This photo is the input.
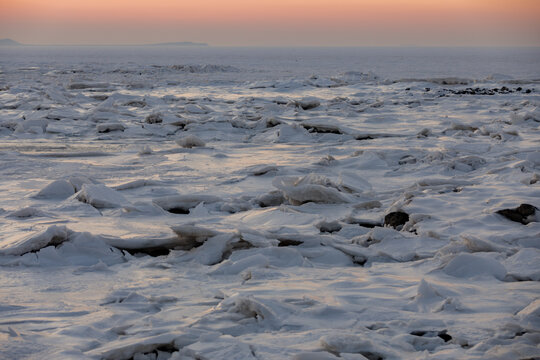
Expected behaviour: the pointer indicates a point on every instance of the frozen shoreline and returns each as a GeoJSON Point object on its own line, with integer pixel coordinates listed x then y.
{"type": "Point", "coordinates": [181, 209]}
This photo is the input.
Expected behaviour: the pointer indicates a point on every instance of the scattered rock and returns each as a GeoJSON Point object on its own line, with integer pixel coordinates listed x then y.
{"type": "Point", "coordinates": [524, 213]}
{"type": "Point", "coordinates": [329, 226]}
{"type": "Point", "coordinates": [155, 118]}
{"type": "Point", "coordinates": [190, 141]}
{"type": "Point", "coordinates": [396, 219]}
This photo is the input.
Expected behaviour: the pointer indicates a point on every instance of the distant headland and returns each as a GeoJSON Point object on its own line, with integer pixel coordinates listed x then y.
{"type": "Point", "coordinates": [9, 42]}
{"type": "Point", "coordinates": [179, 43]}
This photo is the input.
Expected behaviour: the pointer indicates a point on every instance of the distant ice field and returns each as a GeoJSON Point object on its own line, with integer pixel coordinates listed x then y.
{"type": "Point", "coordinates": [269, 203]}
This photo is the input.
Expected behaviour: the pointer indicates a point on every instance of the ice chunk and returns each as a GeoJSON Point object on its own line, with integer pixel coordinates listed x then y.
{"type": "Point", "coordinates": [530, 315]}
{"type": "Point", "coordinates": [193, 236]}
{"type": "Point", "coordinates": [307, 103]}
{"type": "Point", "coordinates": [108, 127]}
{"type": "Point", "coordinates": [17, 245]}
{"type": "Point", "coordinates": [137, 184]}
{"type": "Point", "coordinates": [315, 356]}
{"type": "Point", "coordinates": [196, 109]}
{"type": "Point", "coordinates": [339, 343]}
{"type": "Point", "coordinates": [101, 196]}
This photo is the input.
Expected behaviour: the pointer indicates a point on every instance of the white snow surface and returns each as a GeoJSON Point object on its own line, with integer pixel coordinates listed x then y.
{"type": "Point", "coordinates": [218, 203]}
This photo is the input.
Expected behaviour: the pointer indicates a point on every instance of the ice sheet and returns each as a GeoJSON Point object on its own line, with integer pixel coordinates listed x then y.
{"type": "Point", "coordinates": [218, 203]}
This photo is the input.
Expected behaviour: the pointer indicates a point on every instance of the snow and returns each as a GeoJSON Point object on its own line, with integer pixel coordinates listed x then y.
{"type": "Point", "coordinates": [217, 203]}
{"type": "Point", "coordinates": [57, 189]}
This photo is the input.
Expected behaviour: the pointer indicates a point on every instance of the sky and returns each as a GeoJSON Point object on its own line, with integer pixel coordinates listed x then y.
{"type": "Point", "coordinates": [274, 22]}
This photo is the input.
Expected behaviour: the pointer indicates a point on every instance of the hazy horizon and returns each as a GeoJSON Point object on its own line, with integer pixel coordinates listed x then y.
{"type": "Point", "coordinates": [418, 23]}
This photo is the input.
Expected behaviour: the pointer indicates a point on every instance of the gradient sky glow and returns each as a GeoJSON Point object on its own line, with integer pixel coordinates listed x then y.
{"type": "Point", "coordinates": [274, 22]}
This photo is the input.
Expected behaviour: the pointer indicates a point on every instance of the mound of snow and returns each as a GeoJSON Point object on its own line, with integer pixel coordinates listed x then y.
{"type": "Point", "coordinates": [310, 188]}
{"type": "Point", "coordinates": [524, 265]}
{"type": "Point", "coordinates": [58, 189]}
{"type": "Point", "coordinates": [473, 265]}
{"type": "Point", "coordinates": [27, 212]}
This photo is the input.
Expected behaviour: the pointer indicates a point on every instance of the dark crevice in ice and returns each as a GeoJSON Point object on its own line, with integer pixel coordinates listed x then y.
{"type": "Point", "coordinates": [322, 129]}
{"type": "Point", "coordinates": [151, 251]}
{"type": "Point", "coordinates": [178, 210]}
{"type": "Point", "coordinates": [443, 334]}
{"type": "Point", "coordinates": [155, 353]}
{"type": "Point", "coordinates": [289, 242]}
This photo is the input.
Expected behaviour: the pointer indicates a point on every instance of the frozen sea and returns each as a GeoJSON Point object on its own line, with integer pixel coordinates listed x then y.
{"type": "Point", "coordinates": [269, 203]}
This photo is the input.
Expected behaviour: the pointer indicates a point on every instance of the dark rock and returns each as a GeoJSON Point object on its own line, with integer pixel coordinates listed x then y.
{"type": "Point", "coordinates": [396, 219]}
{"type": "Point", "coordinates": [528, 91]}
{"type": "Point", "coordinates": [524, 213]}
{"type": "Point", "coordinates": [154, 119]}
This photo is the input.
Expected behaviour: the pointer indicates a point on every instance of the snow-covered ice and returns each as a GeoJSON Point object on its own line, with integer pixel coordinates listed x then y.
{"type": "Point", "coordinates": [218, 203]}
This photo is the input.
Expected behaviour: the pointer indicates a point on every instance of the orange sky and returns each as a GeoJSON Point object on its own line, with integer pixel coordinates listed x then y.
{"type": "Point", "coordinates": [273, 22]}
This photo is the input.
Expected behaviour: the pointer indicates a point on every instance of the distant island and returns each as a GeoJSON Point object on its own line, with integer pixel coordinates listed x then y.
{"type": "Point", "coordinates": [11, 42]}
{"type": "Point", "coordinates": [8, 42]}
{"type": "Point", "coordinates": [179, 43]}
